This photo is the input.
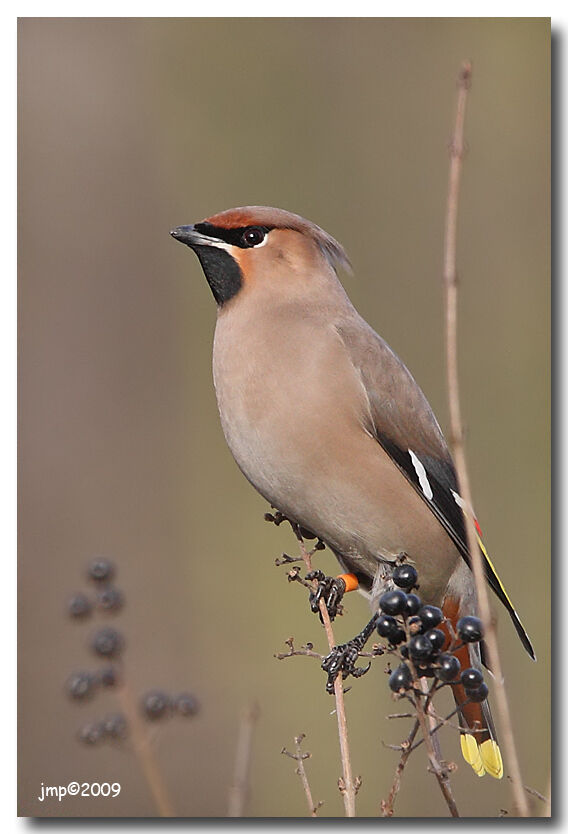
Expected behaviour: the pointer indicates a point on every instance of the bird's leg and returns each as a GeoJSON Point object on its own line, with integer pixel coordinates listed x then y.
{"type": "Point", "coordinates": [331, 590]}
{"type": "Point", "coordinates": [341, 659]}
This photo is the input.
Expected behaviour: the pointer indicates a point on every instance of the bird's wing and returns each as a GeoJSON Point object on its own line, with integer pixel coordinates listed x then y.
{"type": "Point", "coordinates": [401, 420]}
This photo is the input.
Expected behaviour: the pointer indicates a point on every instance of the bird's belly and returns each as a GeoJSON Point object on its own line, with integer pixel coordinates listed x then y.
{"type": "Point", "coordinates": [313, 460]}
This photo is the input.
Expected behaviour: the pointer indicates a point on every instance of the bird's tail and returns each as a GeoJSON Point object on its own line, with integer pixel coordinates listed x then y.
{"type": "Point", "coordinates": [479, 743]}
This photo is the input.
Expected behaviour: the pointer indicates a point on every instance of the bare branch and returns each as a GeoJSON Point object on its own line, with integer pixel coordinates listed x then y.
{"type": "Point", "coordinates": [387, 805]}
{"type": "Point", "coordinates": [451, 296]}
{"type": "Point", "coordinates": [422, 701]}
{"type": "Point", "coordinates": [306, 650]}
{"type": "Point", "coordinates": [301, 771]}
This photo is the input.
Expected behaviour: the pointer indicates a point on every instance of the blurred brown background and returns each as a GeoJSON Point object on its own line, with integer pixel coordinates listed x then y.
{"type": "Point", "coordinates": [129, 127]}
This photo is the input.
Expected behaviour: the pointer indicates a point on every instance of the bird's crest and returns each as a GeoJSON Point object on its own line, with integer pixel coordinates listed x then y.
{"type": "Point", "coordinates": [273, 218]}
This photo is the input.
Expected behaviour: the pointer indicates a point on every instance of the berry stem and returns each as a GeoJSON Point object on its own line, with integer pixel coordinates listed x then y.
{"type": "Point", "coordinates": [144, 751]}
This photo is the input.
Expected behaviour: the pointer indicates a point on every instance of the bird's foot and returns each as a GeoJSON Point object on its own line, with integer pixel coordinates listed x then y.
{"type": "Point", "coordinates": [341, 659]}
{"type": "Point", "coordinates": [330, 589]}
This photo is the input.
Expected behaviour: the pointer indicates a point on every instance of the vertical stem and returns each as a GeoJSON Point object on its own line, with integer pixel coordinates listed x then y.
{"type": "Point", "coordinates": [451, 296]}
{"type": "Point", "coordinates": [240, 789]}
{"type": "Point", "coordinates": [438, 769]}
{"type": "Point", "coordinates": [348, 789]}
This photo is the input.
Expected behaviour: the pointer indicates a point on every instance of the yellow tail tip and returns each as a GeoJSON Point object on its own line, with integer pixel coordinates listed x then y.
{"type": "Point", "coordinates": [484, 758]}
{"type": "Point", "coordinates": [470, 752]}
{"type": "Point", "coordinates": [491, 758]}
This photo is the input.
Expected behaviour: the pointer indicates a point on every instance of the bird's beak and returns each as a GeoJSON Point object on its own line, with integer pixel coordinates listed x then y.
{"type": "Point", "coordinates": [187, 235]}
{"type": "Point", "coordinates": [191, 237]}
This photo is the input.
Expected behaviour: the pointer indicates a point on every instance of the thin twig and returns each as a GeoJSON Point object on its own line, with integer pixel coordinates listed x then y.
{"type": "Point", "coordinates": [422, 704]}
{"type": "Point", "coordinates": [348, 787]}
{"type": "Point", "coordinates": [306, 651]}
{"type": "Point", "coordinates": [144, 752]}
{"type": "Point", "coordinates": [426, 717]}
{"type": "Point", "coordinates": [534, 792]}
{"type": "Point", "coordinates": [387, 805]}
{"type": "Point", "coordinates": [239, 791]}
{"type": "Point", "coordinates": [429, 712]}
{"type": "Point", "coordinates": [409, 746]}
{"type": "Point", "coordinates": [440, 770]}
{"type": "Point", "coordinates": [451, 296]}
{"type": "Point", "coordinates": [444, 722]}
{"type": "Point", "coordinates": [299, 756]}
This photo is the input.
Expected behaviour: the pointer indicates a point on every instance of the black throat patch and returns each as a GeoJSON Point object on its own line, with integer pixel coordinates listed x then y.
{"type": "Point", "coordinates": [222, 272]}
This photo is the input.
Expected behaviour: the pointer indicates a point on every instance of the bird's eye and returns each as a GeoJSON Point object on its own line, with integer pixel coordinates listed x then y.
{"type": "Point", "coordinates": [253, 236]}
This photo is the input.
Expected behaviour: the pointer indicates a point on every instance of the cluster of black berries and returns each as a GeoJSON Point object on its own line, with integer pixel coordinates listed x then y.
{"type": "Point", "coordinates": [83, 685]}
{"type": "Point", "coordinates": [108, 643]}
{"type": "Point", "coordinates": [157, 704]}
{"type": "Point", "coordinates": [111, 728]}
{"type": "Point", "coordinates": [106, 596]}
{"type": "Point", "coordinates": [412, 628]}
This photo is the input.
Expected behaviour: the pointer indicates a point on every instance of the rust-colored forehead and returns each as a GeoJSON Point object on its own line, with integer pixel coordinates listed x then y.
{"type": "Point", "coordinates": [237, 218]}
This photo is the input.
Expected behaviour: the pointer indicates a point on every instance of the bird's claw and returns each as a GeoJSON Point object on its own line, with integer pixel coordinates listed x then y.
{"type": "Point", "coordinates": [341, 661]}
{"type": "Point", "coordinates": [330, 589]}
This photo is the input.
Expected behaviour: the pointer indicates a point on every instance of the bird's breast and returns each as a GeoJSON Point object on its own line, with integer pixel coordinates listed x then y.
{"type": "Point", "coordinates": [275, 384]}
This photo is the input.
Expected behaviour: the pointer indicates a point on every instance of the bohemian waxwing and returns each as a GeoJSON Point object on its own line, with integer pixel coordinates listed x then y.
{"type": "Point", "coordinates": [329, 426]}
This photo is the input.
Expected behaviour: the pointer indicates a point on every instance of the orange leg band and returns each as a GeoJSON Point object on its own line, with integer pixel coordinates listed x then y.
{"type": "Point", "coordinates": [351, 581]}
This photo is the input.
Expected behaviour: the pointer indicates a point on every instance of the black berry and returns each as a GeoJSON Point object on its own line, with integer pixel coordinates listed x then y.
{"type": "Point", "coordinates": [81, 685]}
{"type": "Point", "coordinates": [398, 637]}
{"type": "Point", "coordinates": [413, 604]}
{"type": "Point", "coordinates": [448, 667]}
{"type": "Point", "coordinates": [419, 647]}
{"type": "Point", "coordinates": [79, 605]}
{"type": "Point", "coordinates": [101, 570]}
{"type": "Point", "coordinates": [431, 616]}
{"type": "Point", "coordinates": [92, 733]}
{"type": "Point", "coordinates": [471, 678]}
{"type": "Point", "coordinates": [405, 576]}
{"type": "Point", "coordinates": [115, 726]}
{"type": "Point", "coordinates": [386, 626]}
{"type": "Point", "coordinates": [186, 704]}
{"type": "Point", "coordinates": [401, 678]}
{"type": "Point", "coordinates": [437, 639]}
{"type": "Point", "coordinates": [479, 694]}
{"type": "Point", "coordinates": [470, 629]}
{"type": "Point", "coordinates": [108, 642]}
{"type": "Point", "coordinates": [110, 599]}
{"type": "Point", "coordinates": [393, 602]}
{"type": "Point", "coordinates": [155, 704]}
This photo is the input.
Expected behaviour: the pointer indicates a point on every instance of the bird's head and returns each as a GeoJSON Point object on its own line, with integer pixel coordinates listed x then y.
{"type": "Point", "coordinates": [242, 249]}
